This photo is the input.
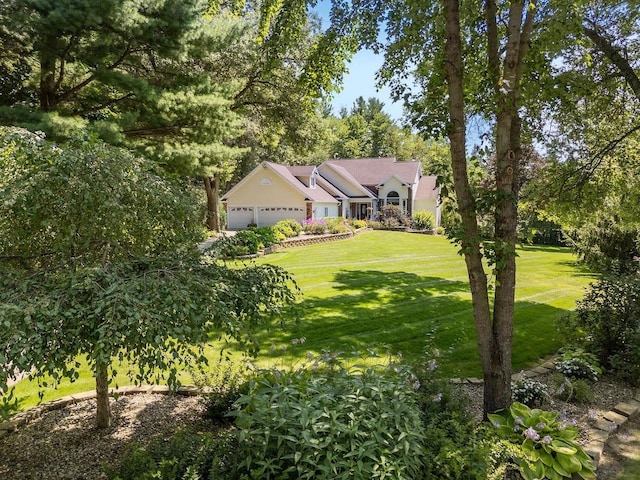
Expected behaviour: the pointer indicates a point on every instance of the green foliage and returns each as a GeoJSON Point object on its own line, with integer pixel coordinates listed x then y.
{"type": "Point", "coordinates": [358, 224]}
{"type": "Point", "coordinates": [289, 227]}
{"type": "Point", "coordinates": [423, 220]}
{"type": "Point", "coordinates": [100, 261]}
{"type": "Point", "coordinates": [546, 449]}
{"type": "Point", "coordinates": [607, 246]}
{"type": "Point", "coordinates": [607, 323]}
{"type": "Point", "coordinates": [528, 391]}
{"type": "Point", "coordinates": [184, 456]}
{"type": "Point", "coordinates": [392, 216]}
{"type": "Point", "coordinates": [454, 447]}
{"type": "Point", "coordinates": [224, 385]}
{"type": "Point", "coordinates": [337, 225]}
{"type": "Point", "coordinates": [578, 364]}
{"type": "Point", "coordinates": [331, 423]}
{"type": "Point", "coordinates": [571, 390]}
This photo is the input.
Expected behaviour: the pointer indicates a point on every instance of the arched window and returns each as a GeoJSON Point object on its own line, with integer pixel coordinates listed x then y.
{"type": "Point", "coordinates": [393, 198]}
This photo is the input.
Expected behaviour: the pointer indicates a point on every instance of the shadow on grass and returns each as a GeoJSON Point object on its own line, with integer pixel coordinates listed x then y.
{"type": "Point", "coordinates": [405, 312]}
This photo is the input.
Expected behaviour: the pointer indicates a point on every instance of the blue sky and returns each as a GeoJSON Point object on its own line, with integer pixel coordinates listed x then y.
{"type": "Point", "coordinates": [360, 81]}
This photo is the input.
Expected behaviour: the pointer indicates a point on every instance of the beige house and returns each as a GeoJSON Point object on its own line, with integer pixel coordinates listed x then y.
{"type": "Point", "coordinates": [351, 188]}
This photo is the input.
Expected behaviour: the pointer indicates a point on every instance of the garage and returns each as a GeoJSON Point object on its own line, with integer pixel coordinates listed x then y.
{"type": "Point", "coordinates": [240, 217]}
{"type": "Point", "coordinates": [269, 216]}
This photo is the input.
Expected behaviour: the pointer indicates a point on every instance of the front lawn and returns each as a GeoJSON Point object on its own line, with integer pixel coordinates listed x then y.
{"type": "Point", "coordinates": [405, 290]}
{"type": "Point", "coordinates": [401, 290]}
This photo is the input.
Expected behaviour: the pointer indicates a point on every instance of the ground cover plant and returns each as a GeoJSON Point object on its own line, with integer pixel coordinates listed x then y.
{"type": "Point", "coordinates": [398, 289]}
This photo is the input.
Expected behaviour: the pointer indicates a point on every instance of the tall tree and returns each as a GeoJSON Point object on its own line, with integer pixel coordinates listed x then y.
{"type": "Point", "coordinates": [462, 63]}
{"type": "Point", "coordinates": [89, 268]}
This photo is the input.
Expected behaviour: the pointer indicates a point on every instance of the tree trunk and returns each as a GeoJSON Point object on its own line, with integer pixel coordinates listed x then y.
{"type": "Point", "coordinates": [212, 186]}
{"type": "Point", "coordinates": [103, 409]}
{"type": "Point", "coordinates": [47, 94]}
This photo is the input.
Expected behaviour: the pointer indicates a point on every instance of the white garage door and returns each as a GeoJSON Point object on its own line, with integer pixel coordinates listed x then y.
{"type": "Point", "coordinates": [269, 216]}
{"type": "Point", "coordinates": [239, 217]}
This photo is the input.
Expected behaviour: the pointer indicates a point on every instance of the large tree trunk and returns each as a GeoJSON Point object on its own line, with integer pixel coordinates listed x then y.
{"type": "Point", "coordinates": [212, 186]}
{"type": "Point", "coordinates": [470, 240]}
{"type": "Point", "coordinates": [103, 409]}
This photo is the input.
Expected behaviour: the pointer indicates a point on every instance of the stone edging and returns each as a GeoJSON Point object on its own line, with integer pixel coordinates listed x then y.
{"type": "Point", "coordinates": [602, 429]}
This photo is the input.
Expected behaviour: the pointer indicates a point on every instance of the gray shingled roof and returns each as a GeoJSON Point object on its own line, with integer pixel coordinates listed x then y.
{"type": "Point", "coordinates": [373, 171]}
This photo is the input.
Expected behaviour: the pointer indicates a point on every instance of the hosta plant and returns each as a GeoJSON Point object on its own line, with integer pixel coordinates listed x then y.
{"type": "Point", "coordinates": [547, 449]}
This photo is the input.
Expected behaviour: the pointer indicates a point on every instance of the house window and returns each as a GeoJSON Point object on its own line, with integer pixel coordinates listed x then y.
{"type": "Point", "coordinates": [393, 198]}
{"type": "Point", "coordinates": [326, 211]}
{"type": "Point", "coordinates": [312, 181]}
{"type": "Point", "coordinates": [265, 181]}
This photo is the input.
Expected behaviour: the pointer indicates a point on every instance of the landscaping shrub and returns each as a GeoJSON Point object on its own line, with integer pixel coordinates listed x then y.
{"type": "Point", "coordinates": [528, 391]}
{"type": "Point", "coordinates": [578, 364]}
{"type": "Point", "coordinates": [607, 323]}
{"type": "Point", "coordinates": [454, 447]}
{"type": "Point", "coordinates": [573, 391]}
{"type": "Point", "coordinates": [289, 228]}
{"type": "Point", "coordinates": [358, 224]}
{"type": "Point", "coordinates": [606, 246]}
{"type": "Point", "coordinates": [392, 216]}
{"type": "Point", "coordinates": [540, 446]}
{"type": "Point", "coordinates": [337, 225]}
{"type": "Point", "coordinates": [423, 220]}
{"type": "Point", "coordinates": [375, 225]}
{"type": "Point", "coordinates": [245, 242]}
{"type": "Point", "coordinates": [314, 226]}
{"type": "Point", "coordinates": [331, 423]}
{"type": "Point", "coordinates": [185, 456]}
{"type": "Point", "coordinates": [225, 385]}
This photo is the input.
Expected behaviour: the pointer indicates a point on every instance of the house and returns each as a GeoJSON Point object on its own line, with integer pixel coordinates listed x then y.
{"type": "Point", "coordinates": [352, 188]}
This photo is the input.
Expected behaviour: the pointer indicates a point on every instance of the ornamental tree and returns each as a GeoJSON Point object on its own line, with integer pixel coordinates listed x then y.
{"type": "Point", "coordinates": [99, 262]}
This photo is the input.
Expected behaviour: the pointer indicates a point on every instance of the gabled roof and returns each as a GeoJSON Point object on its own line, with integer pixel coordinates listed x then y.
{"type": "Point", "coordinates": [373, 171]}
{"type": "Point", "coordinates": [312, 194]}
{"type": "Point", "coordinates": [325, 184]}
{"type": "Point", "coordinates": [393, 175]}
{"type": "Point", "coordinates": [427, 187]}
{"type": "Point", "coordinates": [344, 173]}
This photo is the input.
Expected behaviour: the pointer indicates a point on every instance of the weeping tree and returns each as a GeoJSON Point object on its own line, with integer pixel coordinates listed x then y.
{"type": "Point", "coordinates": [99, 264]}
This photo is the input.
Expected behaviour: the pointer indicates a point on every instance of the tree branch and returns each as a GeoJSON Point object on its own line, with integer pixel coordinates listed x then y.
{"type": "Point", "coordinates": [621, 63]}
{"type": "Point", "coordinates": [104, 105]}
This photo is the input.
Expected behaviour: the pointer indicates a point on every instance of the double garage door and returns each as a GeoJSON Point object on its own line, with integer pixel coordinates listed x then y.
{"type": "Point", "coordinates": [241, 217]}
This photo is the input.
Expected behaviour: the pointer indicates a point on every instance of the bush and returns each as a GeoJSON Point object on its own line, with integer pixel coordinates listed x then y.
{"type": "Point", "coordinates": [337, 225]}
{"type": "Point", "coordinates": [423, 220]}
{"type": "Point", "coordinates": [185, 456]}
{"type": "Point", "coordinates": [331, 423]}
{"type": "Point", "coordinates": [225, 385]}
{"type": "Point", "coordinates": [607, 323]}
{"type": "Point", "coordinates": [543, 448]}
{"type": "Point", "coordinates": [289, 228]}
{"type": "Point", "coordinates": [454, 447]}
{"type": "Point", "coordinates": [314, 226]}
{"type": "Point", "coordinates": [606, 246]}
{"type": "Point", "coordinates": [573, 391]}
{"type": "Point", "coordinates": [375, 225]}
{"type": "Point", "coordinates": [358, 224]}
{"type": "Point", "coordinates": [440, 231]}
{"type": "Point", "coordinates": [392, 216]}
{"type": "Point", "coordinates": [578, 364]}
{"type": "Point", "coordinates": [528, 391]}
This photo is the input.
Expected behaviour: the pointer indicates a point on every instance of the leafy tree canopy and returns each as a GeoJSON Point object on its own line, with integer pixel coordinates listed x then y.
{"type": "Point", "coordinates": [105, 266]}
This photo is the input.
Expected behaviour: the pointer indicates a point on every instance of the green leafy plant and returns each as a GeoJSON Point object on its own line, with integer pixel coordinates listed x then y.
{"type": "Point", "coordinates": [224, 384]}
{"type": "Point", "coordinates": [528, 391]}
{"type": "Point", "coordinates": [185, 456]}
{"type": "Point", "coordinates": [574, 391]}
{"type": "Point", "coordinates": [358, 224]}
{"type": "Point", "coordinates": [547, 449]}
{"type": "Point", "coordinates": [423, 220]}
{"type": "Point", "coordinates": [331, 423]}
{"type": "Point", "coordinates": [289, 227]}
{"type": "Point", "coordinates": [314, 226]}
{"type": "Point", "coordinates": [607, 323]}
{"type": "Point", "coordinates": [578, 364]}
{"type": "Point", "coordinates": [337, 225]}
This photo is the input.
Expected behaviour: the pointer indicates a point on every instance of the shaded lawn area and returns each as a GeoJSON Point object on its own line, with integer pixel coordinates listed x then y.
{"type": "Point", "coordinates": [408, 291]}
{"type": "Point", "coordinates": [401, 291]}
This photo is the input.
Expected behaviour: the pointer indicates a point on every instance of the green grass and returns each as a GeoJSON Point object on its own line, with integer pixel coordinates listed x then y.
{"type": "Point", "coordinates": [404, 291]}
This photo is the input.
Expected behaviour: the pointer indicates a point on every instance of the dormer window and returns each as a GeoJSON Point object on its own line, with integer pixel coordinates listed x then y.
{"type": "Point", "coordinates": [312, 179]}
